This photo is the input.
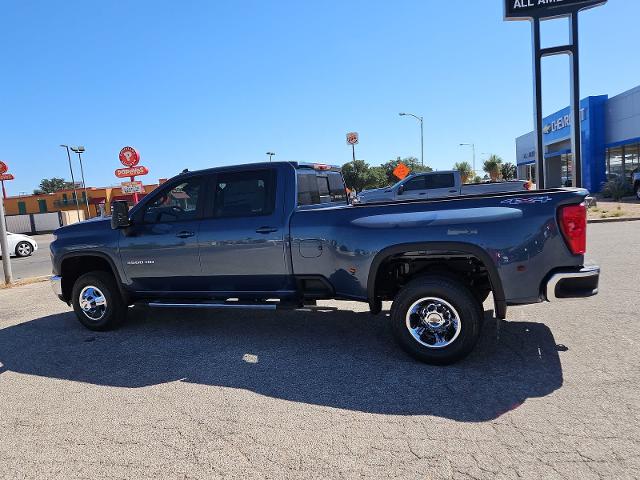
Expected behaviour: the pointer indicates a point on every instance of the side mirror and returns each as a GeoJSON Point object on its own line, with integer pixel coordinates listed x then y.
{"type": "Point", "coordinates": [400, 189]}
{"type": "Point", "coordinates": [119, 214]}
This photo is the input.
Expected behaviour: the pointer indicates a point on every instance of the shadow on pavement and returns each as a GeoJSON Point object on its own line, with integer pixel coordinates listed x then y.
{"type": "Point", "coordinates": [334, 358]}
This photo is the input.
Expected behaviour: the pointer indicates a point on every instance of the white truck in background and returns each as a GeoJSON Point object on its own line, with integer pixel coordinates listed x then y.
{"type": "Point", "coordinates": [424, 186]}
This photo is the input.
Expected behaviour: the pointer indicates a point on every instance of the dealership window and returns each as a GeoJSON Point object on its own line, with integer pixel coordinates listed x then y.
{"type": "Point", "coordinates": [22, 208]}
{"type": "Point", "coordinates": [631, 160]}
{"type": "Point", "coordinates": [42, 205]}
{"type": "Point", "coordinates": [614, 164]}
{"type": "Point", "coordinates": [65, 199]}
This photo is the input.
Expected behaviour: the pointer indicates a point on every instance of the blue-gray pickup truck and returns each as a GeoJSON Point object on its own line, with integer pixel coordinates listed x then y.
{"type": "Point", "coordinates": [279, 235]}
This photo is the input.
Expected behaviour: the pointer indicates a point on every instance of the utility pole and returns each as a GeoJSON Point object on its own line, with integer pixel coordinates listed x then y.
{"type": "Point", "coordinates": [421, 120]}
{"type": "Point", "coordinates": [79, 150]}
{"type": "Point", "coordinates": [4, 247]}
{"type": "Point", "coordinates": [73, 181]}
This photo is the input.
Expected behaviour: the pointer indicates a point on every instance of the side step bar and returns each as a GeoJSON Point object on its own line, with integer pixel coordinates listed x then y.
{"type": "Point", "coordinates": [219, 305]}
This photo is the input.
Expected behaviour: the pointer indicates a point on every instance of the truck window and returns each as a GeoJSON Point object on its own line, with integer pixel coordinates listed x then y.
{"type": "Point", "coordinates": [439, 180]}
{"type": "Point", "coordinates": [178, 203]}
{"type": "Point", "coordinates": [245, 194]}
{"type": "Point", "coordinates": [316, 188]}
{"type": "Point", "coordinates": [414, 184]}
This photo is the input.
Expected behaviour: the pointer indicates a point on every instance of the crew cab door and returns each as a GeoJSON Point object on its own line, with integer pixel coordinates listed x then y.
{"type": "Point", "coordinates": [242, 240]}
{"type": "Point", "coordinates": [159, 251]}
{"type": "Point", "coordinates": [441, 185]}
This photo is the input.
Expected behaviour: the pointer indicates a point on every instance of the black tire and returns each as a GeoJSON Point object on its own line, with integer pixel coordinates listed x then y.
{"type": "Point", "coordinates": [458, 296]}
{"type": "Point", "coordinates": [103, 317]}
{"type": "Point", "coordinates": [26, 248]}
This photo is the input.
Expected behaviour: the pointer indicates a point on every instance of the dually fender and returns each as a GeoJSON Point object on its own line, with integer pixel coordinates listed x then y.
{"type": "Point", "coordinates": [443, 247]}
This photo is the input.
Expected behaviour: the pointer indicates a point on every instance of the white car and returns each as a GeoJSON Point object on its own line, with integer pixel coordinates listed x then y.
{"type": "Point", "coordinates": [21, 245]}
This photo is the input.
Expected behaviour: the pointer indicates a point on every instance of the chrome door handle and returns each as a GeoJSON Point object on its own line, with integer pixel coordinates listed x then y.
{"type": "Point", "coordinates": [185, 234]}
{"type": "Point", "coordinates": [265, 230]}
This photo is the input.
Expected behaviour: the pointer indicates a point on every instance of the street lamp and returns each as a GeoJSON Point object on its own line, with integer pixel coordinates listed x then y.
{"type": "Point", "coordinates": [421, 120]}
{"type": "Point", "coordinates": [73, 180]}
{"type": "Point", "coordinates": [271, 155]}
{"type": "Point", "coordinates": [79, 150]}
{"type": "Point", "coordinates": [473, 147]}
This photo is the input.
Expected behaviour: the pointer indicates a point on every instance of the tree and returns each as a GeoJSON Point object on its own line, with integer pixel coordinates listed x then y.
{"type": "Point", "coordinates": [509, 171]}
{"type": "Point", "coordinates": [465, 169]}
{"type": "Point", "coordinates": [412, 162]}
{"type": "Point", "coordinates": [52, 185]}
{"type": "Point", "coordinates": [492, 166]}
{"type": "Point", "coordinates": [477, 179]}
{"type": "Point", "coordinates": [356, 175]}
{"type": "Point", "coordinates": [378, 178]}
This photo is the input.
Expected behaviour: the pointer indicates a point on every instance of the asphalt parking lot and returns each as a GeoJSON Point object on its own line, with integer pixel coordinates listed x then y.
{"type": "Point", "coordinates": [325, 394]}
{"type": "Point", "coordinates": [37, 265]}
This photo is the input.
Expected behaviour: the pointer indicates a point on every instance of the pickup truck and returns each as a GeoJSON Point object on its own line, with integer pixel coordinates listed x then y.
{"type": "Point", "coordinates": [442, 184]}
{"type": "Point", "coordinates": [279, 235]}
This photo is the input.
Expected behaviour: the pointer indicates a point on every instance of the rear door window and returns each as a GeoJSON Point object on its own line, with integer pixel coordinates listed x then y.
{"type": "Point", "coordinates": [439, 180]}
{"type": "Point", "coordinates": [244, 194]}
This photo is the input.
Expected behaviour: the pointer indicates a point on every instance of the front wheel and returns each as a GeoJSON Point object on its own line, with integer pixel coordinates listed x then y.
{"type": "Point", "coordinates": [97, 301]}
{"type": "Point", "coordinates": [24, 249]}
{"type": "Point", "coordinates": [436, 320]}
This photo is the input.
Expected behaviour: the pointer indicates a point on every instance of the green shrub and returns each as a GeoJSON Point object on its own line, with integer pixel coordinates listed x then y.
{"type": "Point", "coordinates": [617, 188]}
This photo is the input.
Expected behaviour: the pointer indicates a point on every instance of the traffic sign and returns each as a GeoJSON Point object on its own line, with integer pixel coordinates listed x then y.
{"type": "Point", "coordinates": [401, 171]}
{"type": "Point", "coordinates": [129, 157]}
{"type": "Point", "coordinates": [132, 187]}
{"type": "Point", "coordinates": [3, 168]}
{"type": "Point", "coordinates": [352, 138]}
{"type": "Point", "coordinates": [6, 176]}
{"type": "Point", "coordinates": [527, 9]}
{"type": "Point", "coordinates": [132, 172]}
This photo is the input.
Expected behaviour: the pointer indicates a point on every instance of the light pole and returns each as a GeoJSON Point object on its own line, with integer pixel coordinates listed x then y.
{"type": "Point", "coordinates": [473, 148]}
{"type": "Point", "coordinates": [80, 150]}
{"type": "Point", "coordinates": [421, 120]}
{"type": "Point", "coordinates": [271, 155]}
{"type": "Point", "coordinates": [73, 180]}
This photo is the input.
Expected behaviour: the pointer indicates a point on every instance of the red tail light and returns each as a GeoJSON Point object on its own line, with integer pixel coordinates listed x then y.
{"type": "Point", "coordinates": [573, 223]}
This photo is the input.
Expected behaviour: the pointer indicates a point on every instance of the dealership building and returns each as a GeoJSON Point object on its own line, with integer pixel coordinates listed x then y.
{"type": "Point", "coordinates": [610, 142]}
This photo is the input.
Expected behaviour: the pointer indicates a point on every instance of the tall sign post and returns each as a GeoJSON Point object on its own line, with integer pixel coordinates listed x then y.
{"type": "Point", "coordinates": [129, 157]}
{"type": "Point", "coordinates": [536, 11]}
{"type": "Point", "coordinates": [4, 243]}
{"type": "Point", "coordinates": [353, 139]}
{"type": "Point", "coordinates": [4, 176]}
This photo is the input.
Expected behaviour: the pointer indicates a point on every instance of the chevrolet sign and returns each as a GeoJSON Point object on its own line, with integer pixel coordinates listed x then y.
{"type": "Point", "coordinates": [527, 9]}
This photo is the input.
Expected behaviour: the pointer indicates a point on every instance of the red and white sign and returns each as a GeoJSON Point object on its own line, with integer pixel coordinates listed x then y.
{"type": "Point", "coordinates": [131, 172]}
{"type": "Point", "coordinates": [352, 138]}
{"type": "Point", "coordinates": [129, 157]}
{"type": "Point", "coordinates": [129, 188]}
{"type": "Point", "coordinates": [6, 176]}
{"type": "Point", "coordinates": [3, 168]}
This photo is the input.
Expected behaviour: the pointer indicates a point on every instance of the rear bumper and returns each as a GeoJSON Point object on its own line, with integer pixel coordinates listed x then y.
{"type": "Point", "coordinates": [56, 286]}
{"type": "Point", "coordinates": [573, 283]}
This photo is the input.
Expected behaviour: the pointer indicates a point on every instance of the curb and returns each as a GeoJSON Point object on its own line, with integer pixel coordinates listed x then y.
{"type": "Point", "coordinates": [613, 220]}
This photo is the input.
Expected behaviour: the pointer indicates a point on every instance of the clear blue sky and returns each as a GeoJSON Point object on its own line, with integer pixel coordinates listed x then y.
{"type": "Point", "coordinates": [193, 84]}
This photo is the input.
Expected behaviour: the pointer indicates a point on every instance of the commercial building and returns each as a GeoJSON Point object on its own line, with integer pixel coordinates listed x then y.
{"type": "Point", "coordinates": [65, 200]}
{"type": "Point", "coordinates": [610, 142]}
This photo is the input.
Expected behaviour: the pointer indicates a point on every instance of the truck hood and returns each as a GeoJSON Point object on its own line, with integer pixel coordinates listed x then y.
{"type": "Point", "coordinates": [93, 224]}
{"type": "Point", "coordinates": [377, 194]}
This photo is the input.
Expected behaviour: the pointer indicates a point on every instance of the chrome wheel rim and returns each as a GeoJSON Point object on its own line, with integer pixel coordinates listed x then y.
{"type": "Point", "coordinates": [93, 303]}
{"type": "Point", "coordinates": [433, 322]}
{"type": "Point", "coordinates": [24, 249]}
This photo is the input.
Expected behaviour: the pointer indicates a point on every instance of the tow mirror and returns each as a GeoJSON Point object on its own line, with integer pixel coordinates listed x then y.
{"type": "Point", "coordinates": [119, 214]}
{"type": "Point", "coordinates": [400, 189]}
